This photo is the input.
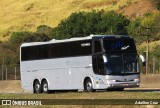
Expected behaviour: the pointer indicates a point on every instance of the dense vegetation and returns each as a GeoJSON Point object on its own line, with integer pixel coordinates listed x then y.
{"type": "Point", "coordinates": [157, 3]}
{"type": "Point", "coordinates": [86, 23]}
{"type": "Point", "coordinates": [148, 25]}
{"type": "Point", "coordinates": [83, 24]}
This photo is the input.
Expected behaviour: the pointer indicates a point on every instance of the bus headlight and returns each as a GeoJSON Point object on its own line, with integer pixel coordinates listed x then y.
{"type": "Point", "coordinates": [111, 80]}
{"type": "Point", "coordinates": [136, 80]}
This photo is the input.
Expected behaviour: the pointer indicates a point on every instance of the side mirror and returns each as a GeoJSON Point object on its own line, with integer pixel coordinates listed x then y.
{"type": "Point", "coordinates": [143, 60]}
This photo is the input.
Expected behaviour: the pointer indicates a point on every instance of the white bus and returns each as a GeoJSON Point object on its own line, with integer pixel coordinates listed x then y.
{"type": "Point", "coordinates": [86, 63]}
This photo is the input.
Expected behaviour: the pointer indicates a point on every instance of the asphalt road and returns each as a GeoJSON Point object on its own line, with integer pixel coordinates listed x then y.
{"type": "Point", "coordinates": [125, 90]}
{"type": "Point", "coordinates": [142, 89]}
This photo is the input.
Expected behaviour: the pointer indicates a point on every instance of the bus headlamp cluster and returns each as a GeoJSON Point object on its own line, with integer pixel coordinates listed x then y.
{"type": "Point", "coordinates": [111, 80]}
{"type": "Point", "coordinates": [136, 79]}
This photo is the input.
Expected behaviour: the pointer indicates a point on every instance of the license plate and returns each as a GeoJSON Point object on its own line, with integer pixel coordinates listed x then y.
{"type": "Point", "coordinates": [125, 84]}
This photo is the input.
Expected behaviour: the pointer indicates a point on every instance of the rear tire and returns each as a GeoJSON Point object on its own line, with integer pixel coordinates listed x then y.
{"type": "Point", "coordinates": [45, 87]}
{"type": "Point", "coordinates": [88, 86]}
{"type": "Point", "coordinates": [37, 87]}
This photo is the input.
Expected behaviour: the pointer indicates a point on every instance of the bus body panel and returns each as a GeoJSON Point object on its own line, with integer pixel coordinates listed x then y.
{"type": "Point", "coordinates": [61, 73]}
{"type": "Point", "coordinates": [69, 73]}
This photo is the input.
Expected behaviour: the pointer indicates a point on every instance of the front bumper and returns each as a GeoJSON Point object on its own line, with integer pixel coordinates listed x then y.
{"type": "Point", "coordinates": [123, 85]}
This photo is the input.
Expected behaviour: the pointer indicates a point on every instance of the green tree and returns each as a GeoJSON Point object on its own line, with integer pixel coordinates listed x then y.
{"type": "Point", "coordinates": [134, 29]}
{"type": "Point", "coordinates": [113, 23]}
{"type": "Point", "coordinates": [18, 38]}
{"type": "Point", "coordinates": [36, 37]}
{"type": "Point", "coordinates": [156, 51]}
{"type": "Point", "coordinates": [155, 33]}
{"type": "Point", "coordinates": [95, 22]}
{"type": "Point", "coordinates": [157, 4]}
{"type": "Point", "coordinates": [44, 29]}
{"type": "Point", "coordinates": [148, 25]}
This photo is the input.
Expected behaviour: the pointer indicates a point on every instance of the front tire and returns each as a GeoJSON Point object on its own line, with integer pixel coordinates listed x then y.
{"type": "Point", "coordinates": [88, 86]}
{"type": "Point", "coordinates": [45, 87]}
{"type": "Point", "coordinates": [37, 87]}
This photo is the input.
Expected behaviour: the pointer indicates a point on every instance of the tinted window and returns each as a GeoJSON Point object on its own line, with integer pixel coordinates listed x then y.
{"type": "Point", "coordinates": [56, 50]}
{"type": "Point", "coordinates": [119, 45]}
{"type": "Point", "coordinates": [98, 65]}
{"type": "Point", "coordinates": [97, 46]}
{"type": "Point", "coordinates": [121, 64]}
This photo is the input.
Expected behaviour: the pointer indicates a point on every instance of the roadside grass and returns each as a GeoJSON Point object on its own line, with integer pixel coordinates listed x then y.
{"type": "Point", "coordinates": [85, 95]}
{"type": "Point", "coordinates": [86, 106]}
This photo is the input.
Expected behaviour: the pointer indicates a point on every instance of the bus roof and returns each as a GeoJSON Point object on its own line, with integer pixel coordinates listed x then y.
{"type": "Point", "coordinates": [73, 39]}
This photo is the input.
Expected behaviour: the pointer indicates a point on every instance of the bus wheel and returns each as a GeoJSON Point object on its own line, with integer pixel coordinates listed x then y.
{"type": "Point", "coordinates": [88, 85]}
{"type": "Point", "coordinates": [45, 87]}
{"type": "Point", "coordinates": [36, 87]}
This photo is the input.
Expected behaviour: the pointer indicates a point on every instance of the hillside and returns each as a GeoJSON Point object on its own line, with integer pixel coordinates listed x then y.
{"type": "Point", "coordinates": [22, 15]}
{"type": "Point", "coordinates": [138, 9]}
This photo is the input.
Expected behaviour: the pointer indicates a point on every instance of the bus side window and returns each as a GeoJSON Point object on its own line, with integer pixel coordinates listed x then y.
{"type": "Point", "coordinates": [98, 64]}
{"type": "Point", "coordinates": [97, 47]}
{"type": "Point", "coordinates": [95, 67]}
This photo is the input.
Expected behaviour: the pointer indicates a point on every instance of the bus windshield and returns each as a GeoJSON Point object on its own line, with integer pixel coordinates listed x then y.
{"type": "Point", "coordinates": [121, 64]}
{"type": "Point", "coordinates": [122, 45]}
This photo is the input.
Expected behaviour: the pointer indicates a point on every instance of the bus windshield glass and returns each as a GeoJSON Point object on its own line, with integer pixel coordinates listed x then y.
{"type": "Point", "coordinates": [121, 64]}
{"type": "Point", "coordinates": [121, 55]}
{"type": "Point", "coordinates": [119, 45]}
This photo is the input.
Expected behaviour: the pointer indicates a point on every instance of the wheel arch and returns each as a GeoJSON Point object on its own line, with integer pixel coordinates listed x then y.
{"type": "Point", "coordinates": [44, 79]}
{"type": "Point", "coordinates": [33, 84]}
{"type": "Point", "coordinates": [88, 77]}
{"type": "Point", "coordinates": [35, 81]}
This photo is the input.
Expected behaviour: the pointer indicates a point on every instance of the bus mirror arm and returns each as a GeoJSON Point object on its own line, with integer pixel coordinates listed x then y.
{"type": "Point", "coordinates": [143, 60]}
